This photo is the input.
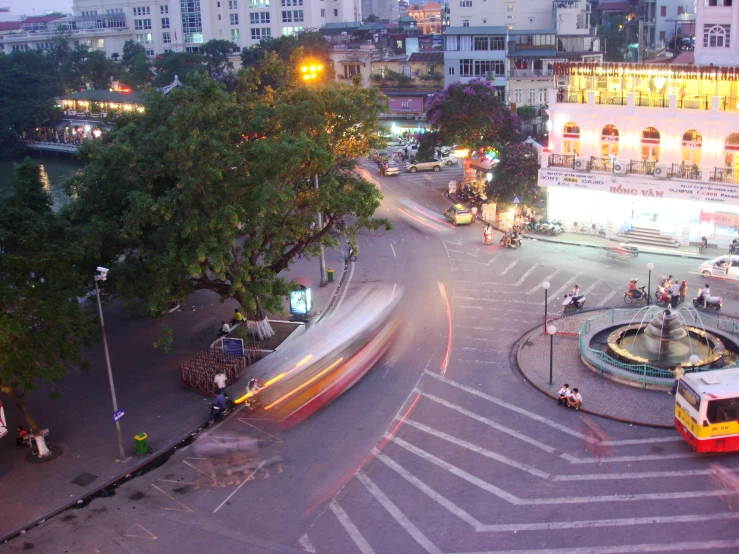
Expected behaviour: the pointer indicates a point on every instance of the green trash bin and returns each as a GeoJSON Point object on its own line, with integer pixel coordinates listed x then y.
{"type": "Point", "coordinates": [330, 275]}
{"type": "Point", "coordinates": [142, 444]}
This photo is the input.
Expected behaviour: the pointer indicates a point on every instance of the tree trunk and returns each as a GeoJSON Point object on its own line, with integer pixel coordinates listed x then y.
{"type": "Point", "coordinates": [43, 450]}
{"type": "Point", "coordinates": [259, 326]}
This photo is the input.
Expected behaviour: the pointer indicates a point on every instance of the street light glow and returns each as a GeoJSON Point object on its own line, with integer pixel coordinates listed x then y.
{"type": "Point", "coordinates": [311, 71]}
{"type": "Point", "coordinates": [551, 329]}
{"type": "Point", "coordinates": [546, 285]}
{"type": "Point", "coordinates": [650, 266]}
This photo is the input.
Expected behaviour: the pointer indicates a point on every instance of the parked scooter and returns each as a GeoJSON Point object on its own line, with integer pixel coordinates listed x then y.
{"type": "Point", "coordinates": [663, 296]}
{"type": "Point", "coordinates": [711, 303]}
{"type": "Point", "coordinates": [573, 302]}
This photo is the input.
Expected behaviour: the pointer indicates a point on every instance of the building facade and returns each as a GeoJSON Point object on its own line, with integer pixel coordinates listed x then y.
{"type": "Point", "coordinates": [185, 25]}
{"type": "Point", "coordinates": [428, 17]}
{"type": "Point", "coordinates": [386, 10]}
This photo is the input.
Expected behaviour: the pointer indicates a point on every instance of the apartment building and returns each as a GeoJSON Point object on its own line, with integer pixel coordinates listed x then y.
{"type": "Point", "coordinates": [183, 26]}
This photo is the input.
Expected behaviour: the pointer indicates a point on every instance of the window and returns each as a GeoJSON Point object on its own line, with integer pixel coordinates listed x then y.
{"type": "Point", "coordinates": [663, 11]}
{"type": "Point", "coordinates": [145, 38]}
{"type": "Point", "coordinates": [288, 31]}
{"type": "Point", "coordinates": [192, 49]}
{"type": "Point", "coordinates": [233, 4]}
{"type": "Point", "coordinates": [150, 53]}
{"type": "Point", "coordinates": [139, 24]}
{"type": "Point", "coordinates": [532, 96]}
{"type": "Point", "coordinates": [542, 96]}
{"type": "Point", "coordinates": [234, 17]}
{"type": "Point", "coordinates": [323, 13]}
{"type": "Point", "coordinates": [680, 10]}
{"type": "Point", "coordinates": [163, 9]}
{"type": "Point", "coordinates": [167, 50]}
{"type": "Point", "coordinates": [406, 70]}
{"type": "Point", "coordinates": [483, 68]}
{"type": "Point", "coordinates": [723, 411]}
{"type": "Point", "coordinates": [430, 70]}
{"type": "Point", "coordinates": [259, 3]}
{"type": "Point", "coordinates": [716, 36]}
{"type": "Point", "coordinates": [465, 68]}
{"type": "Point", "coordinates": [234, 34]}
{"type": "Point", "coordinates": [101, 43]}
{"type": "Point", "coordinates": [192, 23]}
{"type": "Point", "coordinates": [497, 43]}
{"type": "Point", "coordinates": [662, 36]}
{"type": "Point", "coordinates": [257, 34]}
{"type": "Point", "coordinates": [166, 38]}
{"type": "Point", "coordinates": [288, 3]}
{"type": "Point", "coordinates": [510, 7]}
{"type": "Point", "coordinates": [219, 17]}
{"type": "Point", "coordinates": [451, 70]}
{"type": "Point", "coordinates": [336, 13]}
{"type": "Point", "coordinates": [259, 17]}
{"type": "Point", "coordinates": [481, 43]}
{"type": "Point", "coordinates": [465, 3]}
{"type": "Point", "coordinates": [165, 23]}
{"type": "Point", "coordinates": [484, 21]}
{"type": "Point", "coordinates": [465, 23]}
{"type": "Point", "coordinates": [137, 11]}
{"type": "Point", "coordinates": [518, 96]}
{"type": "Point", "coordinates": [287, 17]}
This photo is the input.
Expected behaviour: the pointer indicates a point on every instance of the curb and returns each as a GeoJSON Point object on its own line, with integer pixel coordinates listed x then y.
{"type": "Point", "coordinates": [518, 346]}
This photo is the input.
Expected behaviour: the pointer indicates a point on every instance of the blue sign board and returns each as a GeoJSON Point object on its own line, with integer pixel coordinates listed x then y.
{"type": "Point", "coordinates": [118, 415]}
{"type": "Point", "coordinates": [233, 346]}
{"type": "Point", "coordinates": [516, 199]}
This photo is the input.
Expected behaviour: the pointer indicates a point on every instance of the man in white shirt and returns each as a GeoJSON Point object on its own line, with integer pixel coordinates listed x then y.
{"type": "Point", "coordinates": [705, 294]}
{"type": "Point", "coordinates": [564, 393]}
{"type": "Point", "coordinates": [574, 400]}
{"type": "Point", "coordinates": [675, 293]}
{"type": "Point", "coordinates": [225, 329]}
{"type": "Point", "coordinates": [220, 381]}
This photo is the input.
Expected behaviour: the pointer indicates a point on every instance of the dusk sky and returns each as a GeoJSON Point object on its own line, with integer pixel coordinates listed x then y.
{"type": "Point", "coordinates": [37, 7]}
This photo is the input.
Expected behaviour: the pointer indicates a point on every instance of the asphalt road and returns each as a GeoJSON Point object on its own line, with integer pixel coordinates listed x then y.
{"type": "Point", "coordinates": [442, 448]}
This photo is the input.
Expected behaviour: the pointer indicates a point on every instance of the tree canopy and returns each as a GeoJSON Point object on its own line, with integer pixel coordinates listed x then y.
{"type": "Point", "coordinates": [216, 54]}
{"type": "Point", "coordinates": [209, 189]}
{"type": "Point", "coordinates": [313, 43]}
{"type": "Point", "coordinates": [135, 68]}
{"type": "Point", "coordinates": [181, 64]}
{"type": "Point", "coordinates": [43, 326]}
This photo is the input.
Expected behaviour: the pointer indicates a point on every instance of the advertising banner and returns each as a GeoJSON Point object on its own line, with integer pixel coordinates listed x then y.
{"type": "Point", "coordinates": [405, 104]}
{"type": "Point", "coordinates": [3, 425]}
{"type": "Point", "coordinates": [710, 193]}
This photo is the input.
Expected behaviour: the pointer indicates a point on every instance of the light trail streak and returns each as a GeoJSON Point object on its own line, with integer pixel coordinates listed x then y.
{"type": "Point", "coordinates": [420, 211]}
{"type": "Point", "coordinates": [445, 361]}
{"type": "Point", "coordinates": [274, 379]}
{"type": "Point", "coordinates": [308, 382]}
{"type": "Point", "coordinates": [419, 220]}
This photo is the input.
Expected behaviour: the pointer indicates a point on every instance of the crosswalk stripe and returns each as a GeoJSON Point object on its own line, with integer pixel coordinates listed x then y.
{"type": "Point", "coordinates": [591, 287]}
{"type": "Point", "coordinates": [350, 528]}
{"type": "Point", "coordinates": [620, 549]}
{"type": "Point", "coordinates": [607, 297]}
{"type": "Point", "coordinates": [523, 278]}
{"type": "Point", "coordinates": [541, 285]}
{"type": "Point", "coordinates": [509, 267]}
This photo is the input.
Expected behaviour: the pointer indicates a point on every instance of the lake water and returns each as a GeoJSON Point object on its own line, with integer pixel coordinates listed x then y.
{"type": "Point", "coordinates": [57, 167]}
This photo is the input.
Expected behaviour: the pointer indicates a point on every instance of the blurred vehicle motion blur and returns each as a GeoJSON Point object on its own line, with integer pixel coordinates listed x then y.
{"type": "Point", "coordinates": [329, 357]}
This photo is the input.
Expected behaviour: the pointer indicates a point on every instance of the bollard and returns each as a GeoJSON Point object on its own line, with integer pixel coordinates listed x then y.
{"type": "Point", "coordinates": [142, 445]}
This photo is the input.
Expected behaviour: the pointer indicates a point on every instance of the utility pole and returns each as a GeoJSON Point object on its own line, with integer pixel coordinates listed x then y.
{"type": "Point", "coordinates": [322, 259]}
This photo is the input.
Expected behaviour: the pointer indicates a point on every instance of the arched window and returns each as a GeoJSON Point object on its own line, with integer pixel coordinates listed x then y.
{"type": "Point", "coordinates": [715, 37]}
{"type": "Point", "coordinates": [691, 147]}
{"type": "Point", "coordinates": [609, 142]}
{"type": "Point", "coordinates": [571, 139]}
{"type": "Point", "coordinates": [650, 145]}
{"type": "Point", "coordinates": [731, 151]}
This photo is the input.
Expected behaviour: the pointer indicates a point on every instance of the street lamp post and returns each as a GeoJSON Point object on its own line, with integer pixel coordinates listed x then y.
{"type": "Point", "coordinates": [310, 73]}
{"type": "Point", "coordinates": [102, 275]}
{"type": "Point", "coordinates": [551, 330]}
{"type": "Point", "coordinates": [546, 286]}
{"type": "Point", "coordinates": [650, 267]}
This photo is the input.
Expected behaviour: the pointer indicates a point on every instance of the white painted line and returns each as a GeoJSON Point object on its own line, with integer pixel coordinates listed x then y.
{"type": "Point", "coordinates": [428, 491]}
{"type": "Point", "coordinates": [509, 267]}
{"type": "Point", "coordinates": [489, 422]}
{"type": "Point", "coordinates": [555, 295]}
{"type": "Point", "coordinates": [607, 297]}
{"type": "Point", "coordinates": [541, 285]}
{"type": "Point", "coordinates": [513, 408]}
{"type": "Point", "coordinates": [346, 287]}
{"type": "Point", "coordinates": [484, 362]}
{"type": "Point", "coordinates": [645, 458]}
{"type": "Point", "coordinates": [237, 489]}
{"type": "Point", "coordinates": [398, 516]}
{"type": "Point", "coordinates": [350, 528]}
{"type": "Point", "coordinates": [642, 441]}
{"type": "Point", "coordinates": [496, 300]}
{"type": "Point", "coordinates": [493, 259]}
{"type": "Point", "coordinates": [591, 287]}
{"type": "Point", "coordinates": [523, 278]}
{"type": "Point", "coordinates": [478, 449]}
{"type": "Point", "coordinates": [393, 249]}
{"type": "Point", "coordinates": [306, 545]}
{"type": "Point", "coordinates": [641, 475]}
{"type": "Point", "coordinates": [620, 549]}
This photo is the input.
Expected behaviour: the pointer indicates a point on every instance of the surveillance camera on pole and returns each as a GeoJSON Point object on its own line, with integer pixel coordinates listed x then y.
{"type": "Point", "coordinates": [102, 273]}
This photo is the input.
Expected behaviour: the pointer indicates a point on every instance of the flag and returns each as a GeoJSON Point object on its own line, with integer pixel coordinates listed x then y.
{"type": "Point", "coordinates": [175, 35]}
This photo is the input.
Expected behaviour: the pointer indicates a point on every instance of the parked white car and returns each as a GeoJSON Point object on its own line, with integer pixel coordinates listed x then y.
{"type": "Point", "coordinates": [433, 165]}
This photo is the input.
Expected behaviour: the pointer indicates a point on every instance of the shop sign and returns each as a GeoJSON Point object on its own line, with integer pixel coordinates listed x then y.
{"type": "Point", "coordinates": [685, 235]}
{"type": "Point", "coordinates": [645, 71]}
{"type": "Point", "coordinates": [406, 105]}
{"type": "Point", "coordinates": [713, 193]}
{"type": "Point", "coordinates": [609, 138]}
{"type": "Point", "coordinates": [725, 220]}
{"type": "Point", "coordinates": [470, 172]}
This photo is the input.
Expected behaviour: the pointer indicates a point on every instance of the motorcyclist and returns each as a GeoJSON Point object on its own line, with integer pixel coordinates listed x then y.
{"type": "Point", "coordinates": [218, 406]}
{"type": "Point", "coordinates": [667, 282]}
{"type": "Point", "coordinates": [487, 236]}
{"type": "Point", "coordinates": [632, 285]}
{"type": "Point", "coordinates": [705, 293]}
{"type": "Point", "coordinates": [704, 240]}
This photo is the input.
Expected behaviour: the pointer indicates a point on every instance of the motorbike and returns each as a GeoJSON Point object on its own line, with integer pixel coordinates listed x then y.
{"type": "Point", "coordinates": [556, 228]}
{"type": "Point", "coordinates": [514, 241]}
{"type": "Point", "coordinates": [573, 302]}
{"type": "Point", "coordinates": [352, 254]}
{"type": "Point", "coordinates": [217, 414]}
{"type": "Point", "coordinates": [734, 248]}
{"type": "Point", "coordinates": [487, 238]}
{"type": "Point", "coordinates": [712, 303]}
{"type": "Point", "coordinates": [663, 296]}
{"type": "Point", "coordinates": [631, 296]}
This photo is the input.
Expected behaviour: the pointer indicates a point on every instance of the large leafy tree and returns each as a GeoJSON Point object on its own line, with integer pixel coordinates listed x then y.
{"type": "Point", "coordinates": [136, 70]}
{"type": "Point", "coordinates": [42, 324]}
{"type": "Point", "coordinates": [180, 64]}
{"type": "Point", "coordinates": [100, 71]}
{"type": "Point", "coordinates": [216, 53]}
{"type": "Point", "coordinates": [28, 85]}
{"type": "Point", "coordinates": [214, 190]}
{"type": "Point", "coordinates": [313, 43]}
{"type": "Point", "coordinates": [516, 174]}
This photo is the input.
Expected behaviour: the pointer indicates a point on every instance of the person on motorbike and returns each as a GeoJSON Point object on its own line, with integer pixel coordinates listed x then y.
{"type": "Point", "coordinates": [667, 282]}
{"type": "Point", "coordinates": [704, 241]}
{"type": "Point", "coordinates": [575, 291]}
{"type": "Point", "coordinates": [487, 236]}
{"type": "Point", "coordinates": [705, 294]}
{"type": "Point", "coordinates": [218, 406]}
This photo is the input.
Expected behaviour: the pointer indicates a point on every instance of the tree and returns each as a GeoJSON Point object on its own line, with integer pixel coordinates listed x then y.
{"type": "Point", "coordinates": [314, 46]}
{"type": "Point", "coordinates": [209, 189]}
{"type": "Point", "coordinates": [42, 325]}
{"type": "Point", "coordinates": [371, 18]}
{"type": "Point", "coordinates": [516, 174]}
{"type": "Point", "coordinates": [179, 64]}
{"type": "Point", "coordinates": [99, 70]}
{"type": "Point", "coordinates": [216, 54]}
{"type": "Point", "coordinates": [28, 86]}
{"type": "Point", "coordinates": [73, 70]}
{"type": "Point", "coordinates": [135, 66]}
{"type": "Point", "coordinates": [619, 30]}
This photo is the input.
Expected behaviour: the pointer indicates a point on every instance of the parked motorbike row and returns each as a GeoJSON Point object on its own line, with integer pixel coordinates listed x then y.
{"type": "Point", "coordinates": [545, 227]}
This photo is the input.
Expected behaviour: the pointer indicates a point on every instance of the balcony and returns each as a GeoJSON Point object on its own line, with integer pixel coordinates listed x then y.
{"type": "Point", "coordinates": [601, 164]}
{"type": "Point", "coordinates": [562, 160]}
{"type": "Point", "coordinates": [531, 73]}
{"type": "Point", "coordinates": [701, 102]}
{"type": "Point", "coordinates": [725, 175]}
{"type": "Point", "coordinates": [641, 167]}
{"type": "Point", "coordinates": [686, 171]}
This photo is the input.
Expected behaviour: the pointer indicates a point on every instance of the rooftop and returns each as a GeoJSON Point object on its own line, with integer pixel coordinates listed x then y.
{"type": "Point", "coordinates": [432, 57]}
{"type": "Point", "coordinates": [105, 96]}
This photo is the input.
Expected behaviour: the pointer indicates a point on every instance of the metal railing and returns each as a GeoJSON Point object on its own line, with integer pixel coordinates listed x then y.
{"type": "Point", "coordinates": [641, 167]}
{"type": "Point", "coordinates": [611, 98]}
{"type": "Point", "coordinates": [651, 100]}
{"type": "Point", "coordinates": [728, 104]}
{"type": "Point", "coordinates": [725, 175]}
{"type": "Point", "coordinates": [601, 164]}
{"type": "Point", "coordinates": [562, 160]}
{"type": "Point", "coordinates": [572, 96]}
{"type": "Point", "coordinates": [686, 171]}
{"type": "Point", "coordinates": [694, 102]}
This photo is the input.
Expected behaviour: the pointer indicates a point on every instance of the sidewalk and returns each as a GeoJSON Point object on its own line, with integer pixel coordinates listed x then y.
{"type": "Point", "coordinates": [148, 389]}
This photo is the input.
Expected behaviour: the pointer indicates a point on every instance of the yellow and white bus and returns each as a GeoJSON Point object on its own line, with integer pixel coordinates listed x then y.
{"type": "Point", "coordinates": [707, 410]}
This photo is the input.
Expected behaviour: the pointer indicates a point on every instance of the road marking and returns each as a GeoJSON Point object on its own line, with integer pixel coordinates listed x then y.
{"type": "Point", "coordinates": [392, 294]}
{"type": "Point", "coordinates": [478, 449]}
{"type": "Point", "coordinates": [508, 406]}
{"type": "Point", "coordinates": [237, 489]}
{"type": "Point", "coordinates": [346, 287]}
{"type": "Point", "coordinates": [541, 285]}
{"type": "Point", "coordinates": [607, 297]}
{"type": "Point", "coordinates": [641, 475]}
{"type": "Point", "coordinates": [642, 441]}
{"type": "Point", "coordinates": [493, 259]}
{"type": "Point", "coordinates": [644, 458]}
{"type": "Point", "coordinates": [350, 528]}
{"type": "Point", "coordinates": [509, 267]}
{"type": "Point", "coordinates": [620, 549]}
{"type": "Point", "coordinates": [242, 420]}
{"type": "Point", "coordinates": [591, 287]}
{"type": "Point", "coordinates": [306, 545]}
{"type": "Point", "coordinates": [555, 295]}
{"type": "Point", "coordinates": [484, 362]}
{"type": "Point", "coordinates": [402, 520]}
{"type": "Point", "coordinates": [187, 509]}
{"type": "Point", "coordinates": [496, 300]}
{"type": "Point", "coordinates": [149, 535]}
{"type": "Point", "coordinates": [523, 278]}
{"type": "Point", "coordinates": [393, 249]}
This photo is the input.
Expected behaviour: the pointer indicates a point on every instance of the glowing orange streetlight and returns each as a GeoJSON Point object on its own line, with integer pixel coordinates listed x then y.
{"type": "Point", "coordinates": [311, 72]}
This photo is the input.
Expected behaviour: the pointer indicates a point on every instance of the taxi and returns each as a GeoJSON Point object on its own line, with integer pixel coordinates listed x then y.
{"type": "Point", "coordinates": [726, 267]}
{"type": "Point", "coordinates": [458, 214]}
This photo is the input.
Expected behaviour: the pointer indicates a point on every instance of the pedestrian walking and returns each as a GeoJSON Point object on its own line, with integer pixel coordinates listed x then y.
{"type": "Point", "coordinates": [473, 211]}
{"type": "Point", "coordinates": [225, 329]}
{"type": "Point", "coordinates": [220, 381]}
{"type": "Point", "coordinates": [679, 372]}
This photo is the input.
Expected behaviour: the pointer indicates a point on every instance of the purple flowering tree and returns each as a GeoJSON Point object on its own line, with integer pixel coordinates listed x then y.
{"type": "Point", "coordinates": [516, 174]}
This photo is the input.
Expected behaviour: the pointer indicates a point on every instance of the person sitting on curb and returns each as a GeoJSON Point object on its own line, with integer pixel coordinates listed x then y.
{"type": "Point", "coordinates": [225, 329]}
{"type": "Point", "coordinates": [574, 400]}
{"type": "Point", "coordinates": [237, 318]}
{"type": "Point", "coordinates": [564, 393]}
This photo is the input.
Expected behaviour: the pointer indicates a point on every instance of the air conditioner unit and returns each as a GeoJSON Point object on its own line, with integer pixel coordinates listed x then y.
{"type": "Point", "coordinates": [661, 171]}
{"type": "Point", "coordinates": [581, 163]}
{"type": "Point", "coordinates": [619, 167]}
